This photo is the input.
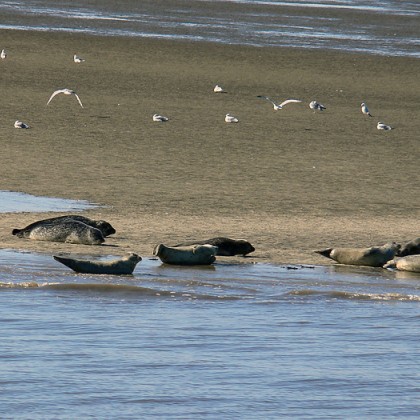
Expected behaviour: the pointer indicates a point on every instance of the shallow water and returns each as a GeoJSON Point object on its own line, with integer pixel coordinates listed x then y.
{"type": "Point", "coordinates": [386, 27]}
{"type": "Point", "coordinates": [17, 202]}
{"type": "Point", "coordinates": [226, 341]}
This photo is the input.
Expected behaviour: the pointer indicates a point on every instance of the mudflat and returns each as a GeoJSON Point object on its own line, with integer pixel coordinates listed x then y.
{"type": "Point", "coordinates": [289, 181]}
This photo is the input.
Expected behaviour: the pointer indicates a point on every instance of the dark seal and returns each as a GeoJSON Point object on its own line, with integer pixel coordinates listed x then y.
{"type": "Point", "coordinates": [226, 247]}
{"type": "Point", "coordinates": [102, 225]}
{"type": "Point", "coordinates": [410, 248]}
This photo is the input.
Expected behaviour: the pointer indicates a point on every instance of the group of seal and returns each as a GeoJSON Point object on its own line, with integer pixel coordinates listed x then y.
{"type": "Point", "coordinates": [390, 255]}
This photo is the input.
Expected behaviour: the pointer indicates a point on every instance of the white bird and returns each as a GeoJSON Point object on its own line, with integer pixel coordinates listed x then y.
{"type": "Point", "coordinates": [231, 119]}
{"type": "Point", "coordinates": [160, 118]}
{"type": "Point", "coordinates": [316, 106]}
{"type": "Point", "coordinates": [219, 89]}
{"type": "Point", "coordinates": [382, 126]}
{"type": "Point", "coordinates": [3, 54]}
{"type": "Point", "coordinates": [66, 92]}
{"type": "Point", "coordinates": [20, 124]}
{"type": "Point", "coordinates": [78, 59]}
{"type": "Point", "coordinates": [365, 109]}
{"type": "Point", "coordinates": [276, 105]}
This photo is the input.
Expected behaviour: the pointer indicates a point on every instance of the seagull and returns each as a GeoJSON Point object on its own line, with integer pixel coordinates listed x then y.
{"type": "Point", "coordinates": [20, 124]}
{"type": "Point", "coordinates": [219, 89]}
{"type": "Point", "coordinates": [160, 118]}
{"type": "Point", "coordinates": [316, 106]}
{"type": "Point", "coordinates": [3, 54]}
{"type": "Point", "coordinates": [231, 119]}
{"type": "Point", "coordinates": [78, 59]}
{"type": "Point", "coordinates": [66, 92]}
{"type": "Point", "coordinates": [382, 126]}
{"type": "Point", "coordinates": [365, 109]}
{"type": "Point", "coordinates": [276, 105]}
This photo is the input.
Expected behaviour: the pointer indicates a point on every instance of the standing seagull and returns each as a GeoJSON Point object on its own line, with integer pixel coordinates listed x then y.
{"type": "Point", "coordinates": [160, 118]}
{"type": "Point", "coordinates": [78, 59]}
{"type": "Point", "coordinates": [316, 106]}
{"type": "Point", "coordinates": [66, 92]}
{"type": "Point", "coordinates": [276, 105]}
{"type": "Point", "coordinates": [231, 119]}
{"type": "Point", "coordinates": [382, 126]}
{"type": "Point", "coordinates": [365, 109]}
{"type": "Point", "coordinates": [3, 54]}
{"type": "Point", "coordinates": [20, 124]}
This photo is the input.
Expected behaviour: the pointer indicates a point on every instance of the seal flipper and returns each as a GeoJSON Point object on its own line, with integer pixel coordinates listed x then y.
{"type": "Point", "coordinates": [325, 252]}
{"type": "Point", "coordinates": [66, 261]}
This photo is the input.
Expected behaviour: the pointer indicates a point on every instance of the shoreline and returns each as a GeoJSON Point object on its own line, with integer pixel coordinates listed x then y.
{"type": "Point", "coordinates": [289, 181]}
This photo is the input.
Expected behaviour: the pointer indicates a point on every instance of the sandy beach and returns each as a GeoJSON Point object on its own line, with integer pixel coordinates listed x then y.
{"type": "Point", "coordinates": [290, 181]}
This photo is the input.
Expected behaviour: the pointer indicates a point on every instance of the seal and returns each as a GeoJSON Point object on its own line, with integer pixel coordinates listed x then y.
{"type": "Point", "coordinates": [372, 257]}
{"type": "Point", "coordinates": [102, 225]}
{"type": "Point", "coordinates": [187, 255]}
{"type": "Point", "coordinates": [408, 263]}
{"type": "Point", "coordinates": [121, 266]}
{"type": "Point", "coordinates": [410, 248]}
{"type": "Point", "coordinates": [227, 247]}
{"type": "Point", "coordinates": [69, 231]}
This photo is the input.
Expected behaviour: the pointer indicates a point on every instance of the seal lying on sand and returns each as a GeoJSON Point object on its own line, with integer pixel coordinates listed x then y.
{"type": "Point", "coordinates": [102, 225]}
{"type": "Point", "coordinates": [408, 263]}
{"type": "Point", "coordinates": [70, 231]}
{"type": "Point", "coordinates": [124, 265]}
{"type": "Point", "coordinates": [225, 246]}
{"type": "Point", "coordinates": [187, 255]}
{"type": "Point", "coordinates": [410, 248]}
{"type": "Point", "coordinates": [373, 256]}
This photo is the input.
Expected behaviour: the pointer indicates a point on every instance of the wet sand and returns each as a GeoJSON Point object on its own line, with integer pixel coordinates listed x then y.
{"type": "Point", "coordinates": [289, 181]}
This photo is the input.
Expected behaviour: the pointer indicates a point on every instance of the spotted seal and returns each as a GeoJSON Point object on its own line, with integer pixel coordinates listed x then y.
{"type": "Point", "coordinates": [187, 255]}
{"type": "Point", "coordinates": [410, 248]}
{"type": "Point", "coordinates": [124, 265]}
{"type": "Point", "coordinates": [373, 256]}
{"type": "Point", "coordinates": [102, 225]}
{"type": "Point", "coordinates": [70, 231]}
{"type": "Point", "coordinates": [407, 263]}
{"type": "Point", "coordinates": [227, 247]}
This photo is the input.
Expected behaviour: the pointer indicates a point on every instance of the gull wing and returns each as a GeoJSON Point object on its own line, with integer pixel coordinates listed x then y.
{"type": "Point", "coordinates": [78, 99]}
{"type": "Point", "coordinates": [54, 94]}
{"type": "Point", "coordinates": [267, 99]}
{"type": "Point", "coordinates": [288, 101]}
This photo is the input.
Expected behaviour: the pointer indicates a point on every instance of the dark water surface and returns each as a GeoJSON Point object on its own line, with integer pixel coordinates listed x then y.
{"type": "Point", "coordinates": [227, 341]}
{"type": "Point", "coordinates": [384, 27]}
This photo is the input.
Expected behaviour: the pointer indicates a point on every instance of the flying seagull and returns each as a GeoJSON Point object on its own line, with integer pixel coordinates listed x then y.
{"type": "Point", "coordinates": [231, 119]}
{"type": "Point", "coordinates": [160, 118]}
{"type": "Point", "coordinates": [66, 92]}
{"type": "Point", "coordinates": [316, 106]}
{"type": "Point", "coordinates": [276, 105]}
{"type": "Point", "coordinates": [365, 110]}
{"type": "Point", "coordinates": [78, 59]}
{"type": "Point", "coordinates": [20, 124]}
{"type": "Point", "coordinates": [382, 126]}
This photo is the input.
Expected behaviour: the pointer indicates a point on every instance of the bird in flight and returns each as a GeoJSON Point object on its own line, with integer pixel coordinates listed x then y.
{"type": "Point", "coordinates": [66, 92]}
{"type": "Point", "coordinates": [316, 106]}
{"type": "Point", "coordinates": [277, 106]}
{"type": "Point", "coordinates": [365, 110]}
{"type": "Point", "coordinates": [160, 118]}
